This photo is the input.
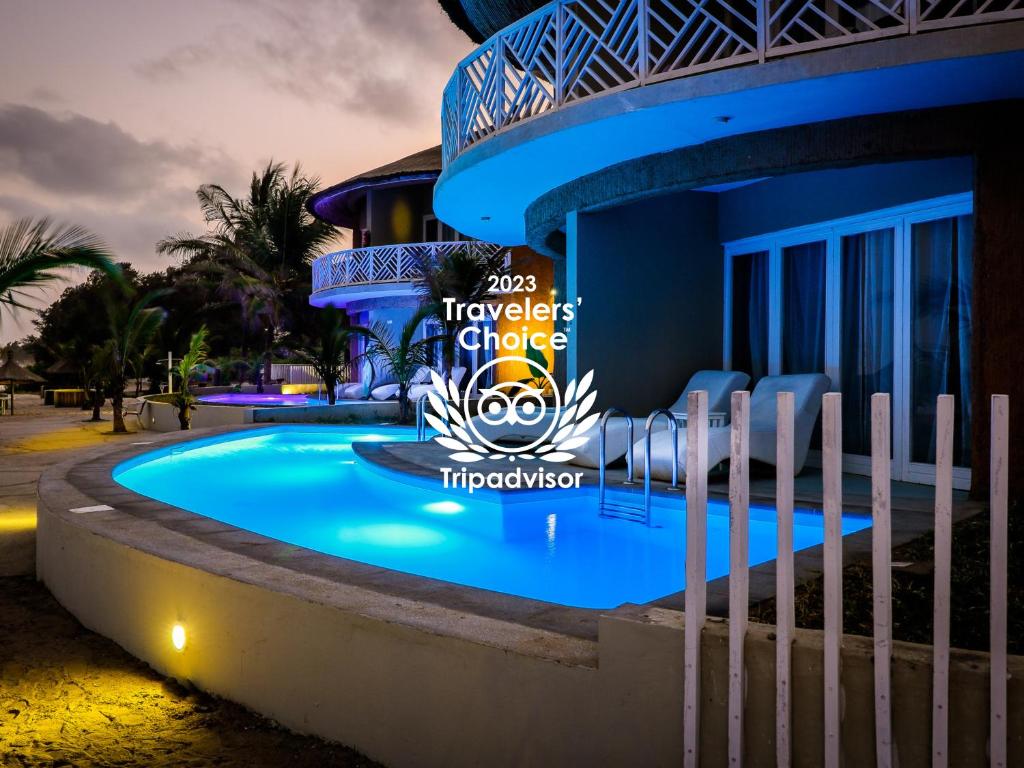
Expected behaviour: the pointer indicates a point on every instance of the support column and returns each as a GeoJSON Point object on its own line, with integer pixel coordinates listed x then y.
{"type": "Point", "coordinates": [997, 345]}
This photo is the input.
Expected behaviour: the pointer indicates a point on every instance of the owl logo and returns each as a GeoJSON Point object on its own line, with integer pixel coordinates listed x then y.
{"type": "Point", "coordinates": [560, 421]}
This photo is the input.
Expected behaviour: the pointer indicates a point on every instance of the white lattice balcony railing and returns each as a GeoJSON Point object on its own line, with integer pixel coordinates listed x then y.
{"type": "Point", "coordinates": [386, 263]}
{"type": "Point", "coordinates": [571, 50]}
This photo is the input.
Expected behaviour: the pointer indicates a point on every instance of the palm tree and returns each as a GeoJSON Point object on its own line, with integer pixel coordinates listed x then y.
{"type": "Point", "coordinates": [196, 355]}
{"type": "Point", "coordinates": [260, 246]}
{"type": "Point", "coordinates": [132, 325]}
{"type": "Point", "coordinates": [402, 357]}
{"type": "Point", "coordinates": [461, 275]}
{"type": "Point", "coordinates": [32, 253]}
{"type": "Point", "coordinates": [331, 348]}
{"type": "Point", "coordinates": [93, 372]}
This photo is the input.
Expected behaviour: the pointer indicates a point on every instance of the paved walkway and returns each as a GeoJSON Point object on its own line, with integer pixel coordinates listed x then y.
{"type": "Point", "coordinates": [32, 440]}
{"type": "Point", "coordinates": [69, 697]}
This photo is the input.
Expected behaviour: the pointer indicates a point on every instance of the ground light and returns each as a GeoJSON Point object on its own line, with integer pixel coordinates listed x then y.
{"type": "Point", "coordinates": [178, 637]}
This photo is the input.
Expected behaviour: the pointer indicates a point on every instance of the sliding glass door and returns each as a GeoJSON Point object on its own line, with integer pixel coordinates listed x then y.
{"type": "Point", "coordinates": [866, 324]}
{"type": "Point", "coordinates": [880, 303]}
{"type": "Point", "coordinates": [938, 298]}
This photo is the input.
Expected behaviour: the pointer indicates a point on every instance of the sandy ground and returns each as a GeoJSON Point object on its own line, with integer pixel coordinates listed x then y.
{"type": "Point", "coordinates": [69, 697]}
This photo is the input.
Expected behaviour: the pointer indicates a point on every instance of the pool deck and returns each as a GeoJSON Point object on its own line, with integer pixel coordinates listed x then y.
{"type": "Point", "coordinates": [912, 517]}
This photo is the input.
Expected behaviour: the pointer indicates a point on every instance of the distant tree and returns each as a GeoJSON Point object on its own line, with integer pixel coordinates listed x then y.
{"type": "Point", "coordinates": [259, 248]}
{"type": "Point", "coordinates": [132, 324]}
{"type": "Point", "coordinates": [33, 253]}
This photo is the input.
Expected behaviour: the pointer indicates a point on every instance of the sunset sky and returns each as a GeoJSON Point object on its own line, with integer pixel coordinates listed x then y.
{"type": "Point", "coordinates": [112, 112]}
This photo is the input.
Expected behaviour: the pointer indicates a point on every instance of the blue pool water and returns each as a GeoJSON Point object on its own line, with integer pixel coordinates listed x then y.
{"type": "Point", "coordinates": [305, 486]}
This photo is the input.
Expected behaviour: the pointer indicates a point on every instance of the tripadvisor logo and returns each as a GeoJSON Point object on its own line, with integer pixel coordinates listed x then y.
{"type": "Point", "coordinates": [526, 422]}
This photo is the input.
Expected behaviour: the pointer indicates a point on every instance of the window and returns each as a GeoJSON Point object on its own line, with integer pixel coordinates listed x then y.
{"type": "Point", "coordinates": [880, 303]}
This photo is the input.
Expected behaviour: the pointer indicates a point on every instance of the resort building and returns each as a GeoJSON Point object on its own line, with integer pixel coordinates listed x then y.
{"type": "Point", "coordinates": [394, 233]}
{"type": "Point", "coordinates": [771, 187]}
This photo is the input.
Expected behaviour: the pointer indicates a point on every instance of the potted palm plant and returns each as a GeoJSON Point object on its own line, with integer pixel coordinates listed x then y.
{"type": "Point", "coordinates": [466, 277]}
{"type": "Point", "coordinates": [327, 353]}
{"type": "Point", "coordinates": [403, 356]}
{"type": "Point", "coordinates": [183, 399]}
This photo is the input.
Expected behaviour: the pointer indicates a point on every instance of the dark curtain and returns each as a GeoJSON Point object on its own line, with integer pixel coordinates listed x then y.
{"type": "Point", "coordinates": [750, 314]}
{"type": "Point", "coordinates": [866, 343]}
{"type": "Point", "coordinates": [941, 276]}
{"type": "Point", "coordinates": [803, 308]}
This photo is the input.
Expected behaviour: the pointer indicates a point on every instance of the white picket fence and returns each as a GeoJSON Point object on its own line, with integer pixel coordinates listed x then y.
{"type": "Point", "coordinates": [739, 502]}
{"type": "Point", "coordinates": [294, 373]}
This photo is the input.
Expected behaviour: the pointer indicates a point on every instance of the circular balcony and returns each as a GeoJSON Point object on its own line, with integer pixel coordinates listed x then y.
{"type": "Point", "coordinates": [380, 271]}
{"type": "Point", "coordinates": [579, 85]}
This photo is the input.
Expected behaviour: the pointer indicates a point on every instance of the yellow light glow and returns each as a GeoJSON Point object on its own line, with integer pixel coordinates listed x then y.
{"type": "Point", "coordinates": [298, 389]}
{"type": "Point", "coordinates": [17, 521]}
{"type": "Point", "coordinates": [178, 637]}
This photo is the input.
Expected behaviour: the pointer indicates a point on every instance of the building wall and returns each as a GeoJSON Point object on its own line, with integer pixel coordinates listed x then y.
{"type": "Point", "coordinates": [396, 213]}
{"type": "Point", "coordinates": [650, 278]}
{"type": "Point", "coordinates": [798, 199]}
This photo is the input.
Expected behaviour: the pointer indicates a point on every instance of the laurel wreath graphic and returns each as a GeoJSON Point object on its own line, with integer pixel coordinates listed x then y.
{"type": "Point", "coordinates": [454, 434]}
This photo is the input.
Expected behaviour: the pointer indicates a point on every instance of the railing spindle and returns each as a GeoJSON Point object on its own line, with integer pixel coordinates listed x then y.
{"type": "Point", "coordinates": [739, 568]}
{"type": "Point", "coordinates": [942, 556]}
{"type": "Point", "coordinates": [695, 597]}
{"type": "Point", "coordinates": [832, 502]}
{"type": "Point", "coordinates": [785, 623]}
{"type": "Point", "coordinates": [881, 568]}
{"type": "Point", "coordinates": [998, 561]}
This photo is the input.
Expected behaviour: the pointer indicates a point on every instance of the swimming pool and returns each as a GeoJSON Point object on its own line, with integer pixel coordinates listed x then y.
{"type": "Point", "coordinates": [304, 485]}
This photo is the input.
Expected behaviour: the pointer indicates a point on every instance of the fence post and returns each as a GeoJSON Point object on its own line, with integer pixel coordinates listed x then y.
{"type": "Point", "coordinates": [762, 30]}
{"type": "Point", "coordinates": [695, 597]}
{"type": "Point", "coordinates": [559, 57]}
{"type": "Point", "coordinates": [832, 485]}
{"type": "Point", "coordinates": [739, 568]}
{"type": "Point", "coordinates": [643, 65]}
{"type": "Point", "coordinates": [785, 622]}
{"type": "Point", "coordinates": [881, 573]}
{"type": "Point", "coordinates": [942, 556]}
{"type": "Point", "coordinates": [998, 532]}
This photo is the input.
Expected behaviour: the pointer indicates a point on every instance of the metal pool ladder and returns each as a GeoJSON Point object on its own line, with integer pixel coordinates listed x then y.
{"type": "Point", "coordinates": [640, 513]}
{"type": "Point", "coordinates": [610, 508]}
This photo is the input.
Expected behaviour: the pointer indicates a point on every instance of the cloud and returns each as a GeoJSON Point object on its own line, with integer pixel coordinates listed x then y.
{"type": "Point", "coordinates": [389, 59]}
{"type": "Point", "coordinates": [45, 95]}
{"type": "Point", "coordinates": [74, 154]}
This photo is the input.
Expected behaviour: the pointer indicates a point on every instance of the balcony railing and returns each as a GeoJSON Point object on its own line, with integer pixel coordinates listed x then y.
{"type": "Point", "coordinates": [386, 263]}
{"type": "Point", "coordinates": [571, 50]}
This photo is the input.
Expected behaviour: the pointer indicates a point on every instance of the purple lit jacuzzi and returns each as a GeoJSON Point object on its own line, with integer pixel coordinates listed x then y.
{"type": "Point", "coordinates": [253, 399]}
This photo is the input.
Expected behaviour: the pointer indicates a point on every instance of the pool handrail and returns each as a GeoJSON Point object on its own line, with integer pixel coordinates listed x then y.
{"type": "Point", "coordinates": [673, 428]}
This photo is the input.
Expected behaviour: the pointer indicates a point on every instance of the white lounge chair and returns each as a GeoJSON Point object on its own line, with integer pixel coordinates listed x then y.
{"type": "Point", "coordinates": [357, 390]}
{"type": "Point", "coordinates": [807, 389]}
{"type": "Point", "coordinates": [418, 391]}
{"type": "Point", "coordinates": [387, 391]}
{"type": "Point", "coordinates": [719, 385]}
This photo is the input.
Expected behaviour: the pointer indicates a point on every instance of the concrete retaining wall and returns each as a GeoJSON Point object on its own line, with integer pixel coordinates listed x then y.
{"type": "Point", "coordinates": [354, 412]}
{"type": "Point", "coordinates": [163, 417]}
